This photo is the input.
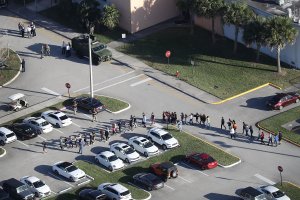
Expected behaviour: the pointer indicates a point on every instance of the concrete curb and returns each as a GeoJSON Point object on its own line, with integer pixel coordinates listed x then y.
{"type": "Point", "coordinates": [269, 131]}
{"type": "Point", "coordinates": [149, 197]}
{"type": "Point", "coordinates": [16, 76]}
{"type": "Point", "coordinates": [117, 112]}
{"type": "Point", "coordinates": [3, 153]}
{"type": "Point", "coordinates": [293, 184]}
{"type": "Point", "coordinates": [228, 166]}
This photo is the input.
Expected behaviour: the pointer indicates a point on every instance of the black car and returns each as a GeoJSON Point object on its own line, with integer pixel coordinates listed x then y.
{"type": "Point", "coordinates": [23, 131]}
{"type": "Point", "coordinates": [89, 104]}
{"type": "Point", "coordinates": [90, 194]}
{"type": "Point", "coordinates": [148, 181]}
{"type": "Point", "coordinates": [250, 193]}
{"type": "Point", "coordinates": [17, 190]}
{"type": "Point", "coordinates": [3, 195]}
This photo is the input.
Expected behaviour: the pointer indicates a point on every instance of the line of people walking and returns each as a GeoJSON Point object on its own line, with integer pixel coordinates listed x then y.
{"type": "Point", "coordinates": [30, 30]}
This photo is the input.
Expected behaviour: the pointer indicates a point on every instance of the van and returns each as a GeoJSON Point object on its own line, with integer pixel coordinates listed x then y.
{"type": "Point", "coordinates": [6, 136]}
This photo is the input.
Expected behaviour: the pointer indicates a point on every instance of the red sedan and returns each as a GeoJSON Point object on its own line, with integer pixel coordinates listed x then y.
{"type": "Point", "coordinates": [203, 160]}
{"type": "Point", "coordinates": [283, 99]}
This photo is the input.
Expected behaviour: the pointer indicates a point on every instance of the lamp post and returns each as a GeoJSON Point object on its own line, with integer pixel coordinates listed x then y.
{"type": "Point", "coordinates": [91, 69]}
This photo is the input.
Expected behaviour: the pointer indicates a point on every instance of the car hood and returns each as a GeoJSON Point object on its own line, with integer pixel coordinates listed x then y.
{"type": "Point", "coordinates": [133, 155]}
{"type": "Point", "coordinates": [152, 149]}
{"type": "Point", "coordinates": [283, 198]}
{"type": "Point", "coordinates": [103, 52]}
{"type": "Point", "coordinates": [171, 141]}
{"type": "Point", "coordinates": [117, 163]}
{"type": "Point", "coordinates": [77, 173]}
{"type": "Point", "coordinates": [44, 189]}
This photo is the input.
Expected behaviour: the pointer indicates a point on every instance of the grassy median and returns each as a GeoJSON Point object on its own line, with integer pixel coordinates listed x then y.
{"type": "Point", "coordinates": [291, 190]}
{"type": "Point", "coordinates": [188, 144]}
{"type": "Point", "coordinates": [12, 67]}
{"type": "Point", "coordinates": [275, 123]}
{"type": "Point", "coordinates": [217, 70]}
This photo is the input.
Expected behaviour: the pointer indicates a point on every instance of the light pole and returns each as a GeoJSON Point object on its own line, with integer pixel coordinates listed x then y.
{"type": "Point", "coordinates": [91, 69]}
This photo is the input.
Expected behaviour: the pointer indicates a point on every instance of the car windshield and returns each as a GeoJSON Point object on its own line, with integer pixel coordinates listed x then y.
{"type": "Point", "coordinates": [38, 184]}
{"type": "Point", "coordinates": [166, 136]}
{"type": "Point", "coordinates": [278, 194]}
{"type": "Point", "coordinates": [22, 188]}
{"type": "Point", "coordinates": [28, 130]}
{"type": "Point", "coordinates": [129, 150]}
{"type": "Point", "coordinates": [261, 197]}
{"type": "Point", "coordinates": [63, 117]}
{"type": "Point", "coordinates": [125, 193]}
{"type": "Point", "coordinates": [45, 123]}
{"type": "Point", "coordinates": [148, 144]}
{"type": "Point", "coordinates": [71, 168]}
{"type": "Point", "coordinates": [112, 158]}
{"type": "Point", "coordinates": [98, 48]}
{"type": "Point", "coordinates": [10, 135]}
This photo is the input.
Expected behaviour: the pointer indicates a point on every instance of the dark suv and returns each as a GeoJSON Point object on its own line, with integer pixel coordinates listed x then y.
{"type": "Point", "coordinates": [17, 190]}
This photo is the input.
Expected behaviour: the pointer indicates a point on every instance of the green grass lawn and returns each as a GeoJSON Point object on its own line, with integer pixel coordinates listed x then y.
{"type": "Point", "coordinates": [102, 34]}
{"type": "Point", "coordinates": [188, 144]}
{"type": "Point", "coordinates": [274, 123]}
{"type": "Point", "coordinates": [291, 190]}
{"type": "Point", "coordinates": [13, 66]}
{"type": "Point", "coordinates": [216, 69]}
{"type": "Point", "coordinates": [112, 104]}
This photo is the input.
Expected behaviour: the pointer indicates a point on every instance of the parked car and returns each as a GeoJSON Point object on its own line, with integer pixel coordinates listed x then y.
{"type": "Point", "coordinates": [165, 170]}
{"type": "Point", "coordinates": [90, 194]}
{"type": "Point", "coordinates": [281, 100]}
{"type": "Point", "coordinates": [109, 160]}
{"type": "Point", "coordinates": [115, 191]}
{"type": "Point", "coordinates": [143, 145]}
{"type": "Point", "coordinates": [163, 138]}
{"type": "Point", "coordinates": [39, 124]}
{"type": "Point", "coordinates": [203, 160]}
{"type": "Point", "coordinates": [6, 136]}
{"type": "Point", "coordinates": [89, 104]}
{"type": "Point", "coordinates": [3, 195]}
{"type": "Point", "coordinates": [148, 181]}
{"type": "Point", "coordinates": [125, 152]}
{"type": "Point", "coordinates": [56, 118]}
{"type": "Point", "coordinates": [17, 190]}
{"type": "Point", "coordinates": [273, 193]}
{"type": "Point", "coordinates": [68, 170]}
{"type": "Point", "coordinates": [38, 187]}
{"type": "Point", "coordinates": [250, 193]}
{"type": "Point", "coordinates": [23, 131]}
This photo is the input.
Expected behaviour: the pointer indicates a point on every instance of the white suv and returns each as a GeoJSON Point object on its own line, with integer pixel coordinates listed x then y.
{"type": "Point", "coordinates": [115, 191]}
{"type": "Point", "coordinates": [6, 136]}
{"type": "Point", "coordinates": [163, 138]}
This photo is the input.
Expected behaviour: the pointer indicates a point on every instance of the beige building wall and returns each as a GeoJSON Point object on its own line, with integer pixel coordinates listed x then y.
{"type": "Point", "coordinates": [206, 24]}
{"type": "Point", "coordinates": [124, 9]}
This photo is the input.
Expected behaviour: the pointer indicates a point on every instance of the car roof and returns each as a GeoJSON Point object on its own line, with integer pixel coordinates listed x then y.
{"type": "Point", "coordinates": [120, 188]}
{"type": "Point", "coordinates": [270, 188]}
{"type": "Point", "coordinates": [167, 164]}
{"type": "Point", "coordinates": [5, 130]}
{"type": "Point", "coordinates": [63, 164]}
{"type": "Point", "coordinates": [252, 191]}
{"type": "Point", "coordinates": [107, 153]}
{"type": "Point", "coordinates": [149, 176]}
{"type": "Point", "coordinates": [140, 139]}
{"type": "Point", "coordinates": [16, 96]}
{"type": "Point", "coordinates": [21, 125]}
{"type": "Point", "coordinates": [58, 113]}
{"type": "Point", "coordinates": [32, 179]}
{"type": "Point", "coordinates": [159, 131]}
{"type": "Point", "coordinates": [13, 182]}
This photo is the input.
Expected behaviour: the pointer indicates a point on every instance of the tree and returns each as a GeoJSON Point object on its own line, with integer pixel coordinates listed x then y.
{"type": "Point", "coordinates": [110, 16]}
{"type": "Point", "coordinates": [186, 8]}
{"type": "Point", "coordinates": [209, 9]}
{"type": "Point", "coordinates": [255, 32]}
{"type": "Point", "coordinates": [281, 31]}
{"type": "Point", "coordinates": [89, 12]}
{"type": "Point", "coordinates": [237, 14]}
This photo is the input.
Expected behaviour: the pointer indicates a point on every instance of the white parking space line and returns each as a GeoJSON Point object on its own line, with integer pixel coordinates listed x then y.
{"type": "Point", "coordinates": [60, 179]}
{"type": "Point", "coordinates": [62, 191]}
{"type": "Point", "coordinates": [105, 81]}
{"type": "Point", "coordinates": [23, 143]}
{"type": "Point", "coordinates": [118, 83]}
{"type": "Point", "coordinates": [50, 91]}
{"type": "Point", "coordinates": [140, 82]}
{"type": "Point", "coordinates": [88, 116]}
{"type": "Point", "coordinates": [185, 179]}
{"type": "Point", "coordinates": [58, 130]}
{"type": "Point", "coordinates": [169, 187]}
{"type": "Point", "coordinates": [76, 124]}
{"type": "Point", "coordinates": [264, 179]}
{"type": "Point", "coordinates": [182, 163]}
{"type": "Point", "coordinates": [42, 137]}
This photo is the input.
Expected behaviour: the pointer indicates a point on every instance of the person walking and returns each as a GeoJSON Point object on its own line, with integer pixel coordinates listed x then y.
{"type": "Point", "coordinates": [23, 65]}
{"type": "Point", "coordinates": [270, 140]}
{"type": "Point", "coordinates": [42, 51]}
{"type": "Point", "coordinates": [276, 140]}
{"type": "Point", "coordinates": [144, 120]}
{"type": "Point", "coordinates": [229, 124]}
{"type": "Point", "coordinates": [232, 133]}
{"type": "Point", "coordinates": [191, 119]}
{"type": "Point", "coordinates": [279, 137]}
{"type": "Point", "coordinates": [258, 136]}
{"type": "Point", "coordinates": [251, 132]}
{"type": "Point", "coordinates": [120, 126]}
{"type": "Point", "coordinates": [92, 137]}
{"type": "Point", "coordinates": [185, 118]}
{"type": "Point", "coordinates": [207, 122]}
{"type": "Point", "coordinates": [63, 48]}
{"type": "Point", "coordinates": [44, 147]}
{"type": "Point", "coordinates": [68, 50]}
{"type": "Point", "coordinates": [246, 129]}
{"type": "Point", "coordinates": [106, 134]}
{"type": "Point", "coordinates": [101, 132]}
{"type": "Point", "coordinates": [81, 144]}
{"type": "Point", "coordinates": [152, 119]}
{"type": "Point", "coordinates": [23, 31]}
{"type": "Point", "coordinates": [262, 137]}
{"type": "Point", "coordinates": [75, 107]}
{"type": "Point", "coordinates": [47, 51]}
{"type": "Point", "coordinates": [134, 122]}
{"type": "Point", "coordinates": [223, 123]}
{"type": "Point", "coordinates": [94, 115]}
{"type": "Point", "coordinates": [179, 125]}
{"type": "Point", "coordinates": [197, 118]}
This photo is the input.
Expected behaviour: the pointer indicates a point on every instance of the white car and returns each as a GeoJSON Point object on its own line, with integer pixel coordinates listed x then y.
{"type": "Point", "coordinates": [38, 187]}
{"type": "Point", "coordinates": [39, 124]}
{"type": "Point", "coordinates": [273, 193]}
{"type": "Point", "coordinates": [143, 145]}
{"type": "Point", "coordinates": [115, 191]}
{"type": "Point", "coordinates": [6, 136]}
{"type": "Point", "coordinates": [68, 170]}
{"type": "Point", "coordinates": [125, 152]}
{"type": "Point", "coordinates": [109, 160]}
{"type": "Point", "coordinates": [163, 138]}
{"type": "Point", "coordinates": [56, 118]}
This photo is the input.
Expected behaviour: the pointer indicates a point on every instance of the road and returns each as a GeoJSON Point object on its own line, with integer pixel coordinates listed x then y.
{"type": "Point", "coordinates": [45, 78]}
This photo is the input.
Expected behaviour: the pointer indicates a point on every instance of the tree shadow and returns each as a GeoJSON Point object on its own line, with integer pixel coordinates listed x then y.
{"type": "Point", "coordinates": [217, 196]}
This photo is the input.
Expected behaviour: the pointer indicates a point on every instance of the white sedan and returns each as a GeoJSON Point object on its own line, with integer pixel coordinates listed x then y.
{"type": "Point", "coordinates": [143, 145]}
{"type": "Point", "coordinates": [109, 160]}
{"type": "Point", "coordinates": [273, 193]}
{"type": "Point", "coordinates": [125, 152]}
{"type": "Point", "coordinates": [68, 170]}
{"type": "Point", "coordinates": [56, 118]}
{"type": "Point", "coordinates": [38, 187]}
{"type": "Point", "coordinates": [39, 124]}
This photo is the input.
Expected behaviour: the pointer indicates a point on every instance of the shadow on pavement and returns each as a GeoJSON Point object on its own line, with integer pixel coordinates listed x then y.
{"type": "Point", "coordinates": [216, 196]}
{"type": "Point", "coordinates": [99, 149]}
{"type": "Point", "coordinates": [258, 103]}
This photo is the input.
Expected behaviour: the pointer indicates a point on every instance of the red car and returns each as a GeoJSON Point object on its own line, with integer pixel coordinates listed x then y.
{"type": "Point", "coordinates": [203, 160]}
{"type": "Point", "coordinates": [283, 99]}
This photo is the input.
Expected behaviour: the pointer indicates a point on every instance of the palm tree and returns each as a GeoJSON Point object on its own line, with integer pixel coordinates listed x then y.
{"type": "Point", "coordinates": [281, 31]}
{"type": "Point", "coordinates": [110, 16]}
{"type": "Point", "coordinates": [186, 7]}
{"type": "Point", "coordinates": [89, 12]}
{"type": "Point", "coordinates": [209, 9]}
{"type": "Point", "coordinates": [238, 14]}
{"type": "Point", "coordinates": [255, 33]}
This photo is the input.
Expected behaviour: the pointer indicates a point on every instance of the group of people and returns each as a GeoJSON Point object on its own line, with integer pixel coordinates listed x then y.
{"type": "Point", "coordinates": [77, 141]}
{"type": "Point", "coordinates": [273, 139]}
{"type": "Point", "coordinates": [201, 119]}
{"type": "Point", "coordinates": [30, 30]}
{"type": "Point", "coordinates": [66, 49]}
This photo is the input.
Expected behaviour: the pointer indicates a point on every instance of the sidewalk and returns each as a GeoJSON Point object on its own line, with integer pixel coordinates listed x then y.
{"type": "Point", "coordinates": [120, 57]}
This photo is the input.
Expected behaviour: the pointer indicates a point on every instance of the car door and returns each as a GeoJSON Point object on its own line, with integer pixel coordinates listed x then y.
{"type": "Point", "coordinates": [156, 138]}
{"type": "Point", "coordinates": [136, 145]}
{"type": "Point", "coordinates": [112, 193]}
{"type": "Point", "coordinates": [118, 152]}
{"type": "Point", "coordinates": [32, 188]}
{"type": "Point", "coordinates": [34, 125]}
{"type": "Point", "coordinates": [289, 99]}
{"type": "Point", "coordinates": [268, 194]}
{"type": "Point", "coordinates": [104, 160]}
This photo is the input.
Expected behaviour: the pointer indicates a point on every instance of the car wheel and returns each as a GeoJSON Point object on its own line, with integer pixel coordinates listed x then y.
{"type": "Point", "coordinates": [174, 174]}
{"type": "Point", "coordinates": [127, 161]}
{"type": "Point", "coordinates": [146, 154]}
{"type": "Point", "coordinates": [280, 107]}
{"type": "Point", "coordinates": [97, 160]}
{"type": "Point", "coordinates": [149, 188]}
{"type": "Point", "coordinates": [164, 147]}
{"type": "Point", "coordinates": [56, 172]}
{"type": "Point", "coordinates": [297, 100]}
{"type": "Point", "coordinates": [43, 117]}
{"type": "Point", "coordinates": [17, 109]}
{"type": "Point", "coordinates": [57, 125]}
{"type": "Point", "coordinates": [110, 168]}
{"type": "Point", "coordinates": [2, 143]}
{"type": "Point", "coordinates": [202, 168]}
{"type": "Point", "coordinates": [72, 179]}
{"type": "Point", "coordinates": [27, 105]}
{"type": "Point", "coordinates": [165, 179]}
{"type": "Point", "coordinates": [36, 194]}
